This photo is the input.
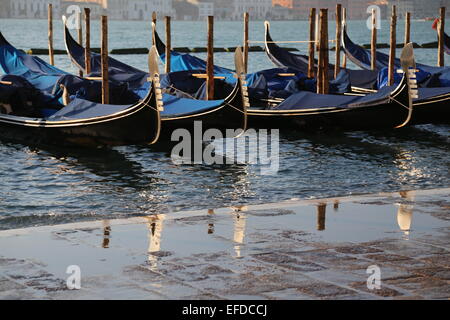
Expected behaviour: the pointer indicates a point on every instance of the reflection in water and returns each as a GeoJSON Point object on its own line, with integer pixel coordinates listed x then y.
{"type": "Point", "coordinates": [336, 205]}
{"type": "Point", "coordinates": [404, 213]}
{"type": "Point", "coordinates": [210, 225]}
{"type": "Point", "coordinates": [155, 226]}
{"type": "Point", "coordinates": [239, 228]}
{"type": "Point", "coordinates": [321, 212]}
{"type": "Point", "coordinates": [106, 234]}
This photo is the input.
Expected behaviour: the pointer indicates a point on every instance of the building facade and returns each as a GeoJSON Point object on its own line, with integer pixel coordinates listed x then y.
{"type": "Point", "coordinates": [257, 9]}
{"type": "Point", "coordinates": [32, 8]}
{"type": "Point", "coordinates": [419, 9]}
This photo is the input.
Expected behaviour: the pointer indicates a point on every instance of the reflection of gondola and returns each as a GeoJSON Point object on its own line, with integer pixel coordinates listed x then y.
{"type": "Point", "coordinates": [283, 58]}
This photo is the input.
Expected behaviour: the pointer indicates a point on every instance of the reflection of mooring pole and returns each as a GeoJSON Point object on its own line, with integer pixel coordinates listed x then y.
{"type": "Point", "coordinates": [155, 226]}
{"type": "Point", "coordinates": [336, 205]}
{"type": "Point", "coordinates": [239, 228]}
{"type": "Point", "coordinates": [405, 212]}
{"type": "Point", "coordinates": [321, 209]}
{"type": "Point", "coordinates": [106, 234]}
{"type": "Point", "coordinates": [210, 225]}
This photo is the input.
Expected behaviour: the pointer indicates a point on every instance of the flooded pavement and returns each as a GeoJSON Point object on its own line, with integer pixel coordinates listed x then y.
{"type": "Point", "coordinates": [313, 249]}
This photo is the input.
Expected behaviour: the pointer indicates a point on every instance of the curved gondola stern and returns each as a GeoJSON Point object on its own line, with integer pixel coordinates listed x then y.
{"type": "Point", "coordinates": [72, 47]}
{"type": "Point", "coordinates": [268, 43]}
{"type": "Point", "coordinates": [159, 44]}
{"type": "Point", "coordinates": [409, 75]}
{"type": "Point", "coordinates": [3, 41]}
{"type": "Point", "coordinates": [346, 42]}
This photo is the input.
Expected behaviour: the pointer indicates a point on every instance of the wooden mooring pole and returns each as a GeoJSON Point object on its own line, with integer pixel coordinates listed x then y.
{"type": "Point", "coordinates": [344, 19]}
{"type": "Point", "coordinates": [312, 39]}
{"type": "Point", "coordinates": [441, 26]}
{"type": "Point", "coordinates": [337, 65]}
{"type": "Point", "coordinates": [104, 59]}
{"type": "Point", "coordinates": [87, 48]}
{"type": "Point", "coordinates": [153, 27]}
{"type": "Point", "coordinates": [407, 27]}
{"type": "Point", "coordinates": [393, 43]}
{"type": "Point", "coordinates": [373, 42]}
{"type": "Point", "coordinates": [246, 19]}
{"type": "Point", "coordinates": [50, 35]}
{"type": "Point", "coordinates": [210, 60]}
{"type": "Point", "coordinates": [168, 44]}
{"type": "Point", "coordinates": [80, 35]}
{"type": "Point", "coordinates": [322, 73]}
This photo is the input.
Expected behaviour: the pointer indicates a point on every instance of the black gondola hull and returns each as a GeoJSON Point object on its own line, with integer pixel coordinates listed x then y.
{"type": "Point", "coordinates": [138, 128]}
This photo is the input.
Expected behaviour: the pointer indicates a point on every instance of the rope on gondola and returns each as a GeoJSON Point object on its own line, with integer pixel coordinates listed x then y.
{"type": "Point", "coordinates": [293, 41]}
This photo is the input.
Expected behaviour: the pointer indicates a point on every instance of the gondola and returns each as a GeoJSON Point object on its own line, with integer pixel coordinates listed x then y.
{"type": "Point", "coordinates": [362, 57]}
{"type": "Point", "coordinates": [81, 122]}
{"type": "Point", "coordinates": [186, 67]}
{"type": "Point", "coordinates": [388, 108]}
{"type": "Point", "coordinates": [365, 79]}
{"type": "Point", "coordinates": [177, 112]}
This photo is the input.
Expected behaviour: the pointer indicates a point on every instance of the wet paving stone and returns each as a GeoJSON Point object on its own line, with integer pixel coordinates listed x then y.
{"type": "Point", "coordinates": [288, 262]}
{"type": "Point", "coordinates": [384, 292]}
{"type": "Point", "coordinates": [357, 250]}
{"type": "Point", "coordinates": [7, 284]}
{"type": "Point", "coordinates": [413, 284]}
{"type": "Point", "coordinates": [386, 257]}
{"type": "Point", "coordinates": [321, 290]}
{"type": "Point", "coordinates": [438, 272]}
{"type": "Point", "coordinates": [278, 252]}
{"type": "Point", "coordinates": [439, 260]}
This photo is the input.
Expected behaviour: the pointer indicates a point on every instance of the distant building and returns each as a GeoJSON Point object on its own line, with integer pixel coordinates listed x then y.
{"type": "Point", "coordinates": [419, 9]}
{"type": "Point", "coordinates": [5, 8]}
{"type": "Point", "coordinates": [257, 9]}
{"type": "Point", "coordinates": [142, 9]}
{"type": "Point", "coordinates": [205, 8]}
{"type": "Point", "coordinates": [223, 9]}
{"type": "Point", "coordinates": [283, 3]}
{"type": "Point", "coordinates": [33, 8]}
{"type": "Point", "coordinates": [185, 10]}
{"type": "Point", "coordinates": [96, 7]}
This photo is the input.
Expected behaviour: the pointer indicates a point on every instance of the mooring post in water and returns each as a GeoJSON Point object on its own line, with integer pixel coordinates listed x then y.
{"type": "Point", "coordinates": [373, 42]}
{"type": "Point", "coordinates": [407, 28]}
{"type": "Point", "coordinates": [168, 43]}
{"type": "Point", "coordinates": [337, 66]}
{"type": "Point", "coordinates": [344, 20]}
{"type": "Point", "coordinates": [210, 60]}
{"type": "Point", "coordinates": [104, 59]}
{"type": "Point", "coordinates": [246, 18]}
{"type": "Point", "coordinates": [80, 35]}
{"type": "Point", "coordinates": [87, 48]}
{"type": "Point", "coordinates": [322, 73]}
{"type": "Point", "coordinates": [393, 43]}
{"type": "Point", "coordinates": [50, 34]}
{"type": "Point", "coordinates": [441, 26]}
{"type": "Point", "coordinates": [153, 28]}
{"type": "Point", "coordinates": [312, 43]}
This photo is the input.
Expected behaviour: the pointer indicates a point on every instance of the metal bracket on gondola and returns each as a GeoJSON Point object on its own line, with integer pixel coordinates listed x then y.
{"type": "Point", "coordinates": [154, 77]}
{"type": "Point", "coordinates": [408, 63]}
{"type": "Point", "coordinates": [240, 71]}
{"type": "Point", "coordinates": [6, 83]}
